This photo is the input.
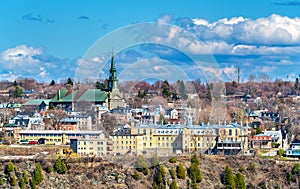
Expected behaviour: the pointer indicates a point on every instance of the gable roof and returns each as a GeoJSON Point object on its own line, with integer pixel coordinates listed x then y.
{"type": "Point", "coordinates": [36, 102]}
{"type": "Point", "coordinates": [93, 95]}
{"type": "Point", "coordinates": [90, 95]}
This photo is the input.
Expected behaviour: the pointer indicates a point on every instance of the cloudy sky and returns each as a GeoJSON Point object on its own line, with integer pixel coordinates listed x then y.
{"type": "Point", "coordinates": [49, 39]}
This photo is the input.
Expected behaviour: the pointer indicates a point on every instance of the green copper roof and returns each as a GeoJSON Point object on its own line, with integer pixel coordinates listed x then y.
{"type": "Point", "coordinates": [60, 94]}
{"type": "Point", "coordinates": [69, 97]}
{"type": "Point", "coordinates": [36, 102]}
{"type": "Point", "coordinates": [94, 95]}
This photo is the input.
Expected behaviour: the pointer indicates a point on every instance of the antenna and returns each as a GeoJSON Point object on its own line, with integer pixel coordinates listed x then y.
{"type": "Point", "coordinates": [239, 74]}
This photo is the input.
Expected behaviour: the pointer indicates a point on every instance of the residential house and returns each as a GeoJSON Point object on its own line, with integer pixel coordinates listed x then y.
{"type": "Point", "coordinates": [261, 141]}
{"type": "Point", "coordinates": [294, 149]}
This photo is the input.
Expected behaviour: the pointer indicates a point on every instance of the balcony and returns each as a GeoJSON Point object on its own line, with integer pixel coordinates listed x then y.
{"type": "Point", "coordinates": [229, 145]}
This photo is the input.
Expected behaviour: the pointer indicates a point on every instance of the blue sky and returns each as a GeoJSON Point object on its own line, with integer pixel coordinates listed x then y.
{"type": "Point", "coordinates": [46, 39]}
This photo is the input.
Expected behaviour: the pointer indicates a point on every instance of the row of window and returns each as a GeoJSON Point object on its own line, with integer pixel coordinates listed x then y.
{"type": "Point", "coordinates": [91, 148]}
{"type": "Point", "coordinates": [84, 142]}
{"type": "Point", "coordinates": [126, 142]}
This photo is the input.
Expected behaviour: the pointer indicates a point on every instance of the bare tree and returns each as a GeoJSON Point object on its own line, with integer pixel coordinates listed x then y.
{"type": "Point", "coordinates": [55, 117]}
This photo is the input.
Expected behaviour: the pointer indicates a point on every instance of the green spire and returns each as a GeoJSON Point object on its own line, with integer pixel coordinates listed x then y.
{"type": "Point", "coordinates": [112, 81]}
{"type": "Point", "coordinates": [112, 64]}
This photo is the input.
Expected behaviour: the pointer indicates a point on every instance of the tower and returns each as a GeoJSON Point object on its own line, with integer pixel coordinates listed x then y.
{"type": "Point", "coordinates": [112, 80]}
{"type": "Point", "coordinates": [115, 96]}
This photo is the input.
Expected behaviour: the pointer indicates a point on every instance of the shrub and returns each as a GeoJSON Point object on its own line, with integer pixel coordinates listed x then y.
{"type": "Point", "coordinates": [13, 180]}
{"type": "Point", "coordinates": [141, 165]}
{"type": "Point", "coordinates": [241, 169]}
{"type": "Point", "coordinates": [25, 176]}
{"type": "Point", "coordinates": [172, 173]}
{"type": "Point", "coordinates": [38, 174]}
{"type": "Point", "coordinates": [136, 176]}
{"type": "Point", "coordinates": [155, 186]}
{"type": "Point", "coordinates": [49, 169]}
{"type": "Point", "coordinates": [228, 178]}
{"type": "Point", "coordinates": [181, 171]}
{"type": "Point", "coordinates": [252, 167]}
{"type": "Point", "coordinates": [296, 169]}
{"type": "Point", "coordinates": [289, 176]}
{"type": "Point", "coordinates": [162, 170]}
{"type": "Point", "coordinates": [280, 152]}
{"type": "Point", "coordinates": [22, 183]}
{"type": "Point", "coordinates": [195, 173]}
{"type": "Point", "coordinates": [1, 181]}
{"type": "Point", "coordinates": [173, 185]}
{"type": "Point", "coordinates": [240, 181]}
{"type": "Point", "coordinates": [32, 183]}
{"type": "Point", "coordinates": [9, 168]}
{"type": "Point", "coordinates": [195, 159]}
{"type": "Point", "coordinates": [172, 160]}
{"type": "Point", "coordinates": [159, 178]}
{"type": "Point", "coordinates": [60, 166]}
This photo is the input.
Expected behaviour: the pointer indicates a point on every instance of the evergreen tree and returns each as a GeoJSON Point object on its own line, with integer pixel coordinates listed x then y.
{"type": "Point", "coordinates": [228, 178]}
{"type": "Point", "coordinates": [258, 131]}
{"type": "Point", "coordinates": [195, 159]}
{"type": "Point", "coordinates": [141, 165]}
{"type": "Point", "coordinates": [22, 183]}
{"type": "Point", "coordinates": [181, 90]}
{"type": "Point", "coordinates": [69, 81]}
{"type": "Point", "coordinates": [13, 180]}
{"type": "Point", "coordinates": [289, 176]}
{"type": "Point", "coordinates": [52, 83]}
{"type": "Point", "coordinates": [9, 168]}
{"type": "Point", "coordinates": [240, 181]}
{"type": "Point", "coordinates": [18, 92]}
{"type": "Point", "coordinates": [25, 176]}
{"type": "Point", "coordinates": [38, 174]}
{"type": "Point", "coordinates": [181, 171]}
{"type": "Point", "coordinates": [195, 173]}
{"type": "Point", "coordinates": [155, 161]}
{"type": "Point", "coordinates": [60, 166]}
{"type": "Point", "coordinates": [296, 84]}
{"type": "Point", "coordinates": [51, 106]}
{"type": "Point", "coordinates": [136, 175]}
{"type": "Point", "coordinates": [159, 178]}
{"type": "Point", "coordinates": [172, 160]}
{"type": "Point", "coordinates": [155, 186]}
{"type": "Point", "coordinates": [49, 169]}
{"type": "Point", "coordinates": [99, 85]}
{"type": "Point", "coordinates": [172, 173]}
{"type": "Point", "coordinates": [296, 169]}
{"type": "Point", "coordinates": [15, 83]}
{"type": "Point", "coordinates": [280, 152]}
{"type": "Point", "coordinates": [163, 170]}
{"type": "Point", "coordinates": [166, 89]}
{"type": "Point", "coordinates": [173, 185]}
{"type": "Point", "coordinates": [32, 183]}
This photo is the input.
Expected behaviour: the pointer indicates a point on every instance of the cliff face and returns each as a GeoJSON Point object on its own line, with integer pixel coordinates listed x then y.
{"type": "Point", "coordinates": [118, 173]}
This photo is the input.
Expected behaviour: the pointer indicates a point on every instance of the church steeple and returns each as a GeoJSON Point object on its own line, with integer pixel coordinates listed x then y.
{"type": "Point", "coordinates": [112, 81]}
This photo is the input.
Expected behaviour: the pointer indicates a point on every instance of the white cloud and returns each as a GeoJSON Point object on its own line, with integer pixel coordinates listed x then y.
{"type": "Point", "coordinates": [274, 29]}
{"type": "Point", "coordinates": [145, 68]}
{"type": "Point", "coordinates": [21, 54]}
{"type": "Point", "coordinates": [28, 61]}
{"type": "Point", "coordinates": [166, 19]}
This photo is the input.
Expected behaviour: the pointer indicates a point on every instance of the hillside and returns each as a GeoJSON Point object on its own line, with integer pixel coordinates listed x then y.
{"type": "Point", "coordinates": [118, 172]}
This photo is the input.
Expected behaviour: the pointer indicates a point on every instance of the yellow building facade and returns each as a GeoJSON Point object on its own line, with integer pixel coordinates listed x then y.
{"type": "Point", "coordinates": [163, 140]}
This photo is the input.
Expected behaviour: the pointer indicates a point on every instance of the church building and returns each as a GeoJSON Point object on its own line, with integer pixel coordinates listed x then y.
{"type": "Point", "coordinates": [112, 97]}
